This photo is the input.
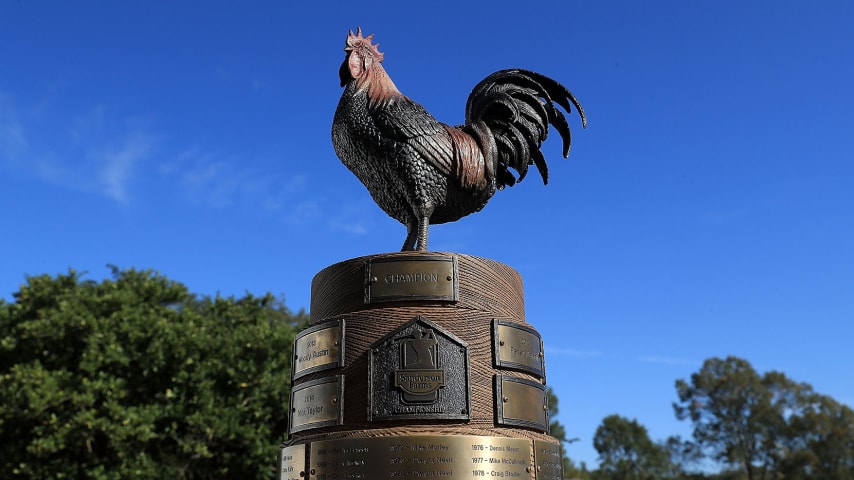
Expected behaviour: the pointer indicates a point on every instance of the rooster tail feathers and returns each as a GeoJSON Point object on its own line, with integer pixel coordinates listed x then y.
{"type": "Point", "coordinates": [542, 166]}
{"type": "Point", "coordinates": [562, 126]}
{"type": "Point", "coordinates": [520, 149]}
{"type": "Point", "coordinates": [516, 107]}
{"type": "Point", "coordinates": [560, 94]}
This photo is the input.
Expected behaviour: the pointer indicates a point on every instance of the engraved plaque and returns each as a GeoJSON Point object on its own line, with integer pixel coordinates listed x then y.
{"type": "Point", "coordinates": [318, 348]}
{"type": "Point", "coordinates": [416, 277]}
{"type": "Point", "coordinates": [521, 402]}
{"type": "Point", "coordinates": [548, 460]}
{"type": "Point", "coordinates": [292, 463]}
{"type": "Point", "coordinates": [421, 456]}
{"type": "Point", "coordinates": [419, 371]}
{"type": "Point", "coordinates": [518, 347]}
{"type": "Point", "coordinates": [317, 404]}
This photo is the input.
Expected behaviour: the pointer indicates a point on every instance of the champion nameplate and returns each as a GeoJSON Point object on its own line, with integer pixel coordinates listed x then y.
{"type": "Point", "coordinates": [317, 404]}
{"type": "Point", "coordinates": [292, 463]}
{"type": "Point", "coordinates": [419, 371]}
{"type": "Point", "coordinates": [518, 347]}
{"type": "Point", "coordinates": [319, 348]}
{"type": "Point", "coordinates": [521, 402]}
{"type": "Point", "coordinates": [416, 277]}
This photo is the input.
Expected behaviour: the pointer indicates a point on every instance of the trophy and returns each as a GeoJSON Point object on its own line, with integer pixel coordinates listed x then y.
{"type": "Point", "coordinates": [421, 364]}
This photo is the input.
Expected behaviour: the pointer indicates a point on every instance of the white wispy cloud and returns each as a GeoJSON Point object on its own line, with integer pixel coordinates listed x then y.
{"type": "Point", "coordinates": [304, 212]}
{"type": "Point", "coordinates": [354, 218]}
{"type": "Point", "coordinates": [114, 154]}
{"type": "Point", "coordinates": [220, 180]}
{"type": "Point", "coordinates": [12, 139]}
{"type": "Point", "coordinates": [215, 179]}
{"type": "Point", "coordinates": [117, 165]}
{"type": "Point", "coordinates": [668, 360]}
{"type": "Point", "coordinates": [354, 228]}
{"type": "Point", "coordinates": [571, 352]}
{"type": "Point", "coordinates": [90, 152]}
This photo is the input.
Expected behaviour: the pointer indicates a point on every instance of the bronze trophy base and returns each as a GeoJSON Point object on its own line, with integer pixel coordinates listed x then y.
{"type": "Point", "coordinates": [418, 365]}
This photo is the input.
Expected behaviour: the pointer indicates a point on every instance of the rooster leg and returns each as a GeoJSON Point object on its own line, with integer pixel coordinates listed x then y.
{"type": "Point", "coordinates": [411, 231]}
{"type": "Point", "coordinates": [423, 224]}
{"type": "Point", "coordinates": [425, 210]}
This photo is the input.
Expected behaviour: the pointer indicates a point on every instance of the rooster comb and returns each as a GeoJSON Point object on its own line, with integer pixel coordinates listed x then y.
{"type": "Point", "coordinates": [357, 41]}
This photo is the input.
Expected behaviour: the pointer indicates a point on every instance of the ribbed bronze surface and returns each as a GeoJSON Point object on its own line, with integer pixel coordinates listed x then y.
{"type": "Point", "coordinates": [487, 291]}
{"type": "Point", "coordinates": [485, 285]}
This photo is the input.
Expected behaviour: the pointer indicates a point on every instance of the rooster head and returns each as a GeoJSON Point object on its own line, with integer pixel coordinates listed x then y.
{"type": "Point", "coordinates": [361, 56]}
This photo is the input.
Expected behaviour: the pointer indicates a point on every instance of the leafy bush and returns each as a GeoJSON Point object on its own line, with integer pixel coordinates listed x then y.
{"type": "Point", "coordinates": [135, 377]}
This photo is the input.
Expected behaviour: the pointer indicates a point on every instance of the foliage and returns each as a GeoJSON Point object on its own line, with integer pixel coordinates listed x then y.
{"type": "Point", "coordinates": [682, 455]}
{"type": "Point", "coordinates": [729, 408]}
{"type": "Point", "coordinates": [135, 377]}
{"type": "Point", "coordinates": [626, 451]}
{"type": "Point", "coordinates": [556, 429]}
{"type": "Point", "coordinates": [820, 440]}
{"type": "Point", "coordinates": [767, 426]}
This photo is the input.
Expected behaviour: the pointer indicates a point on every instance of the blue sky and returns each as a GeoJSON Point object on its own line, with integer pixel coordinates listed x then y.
{"type": "Point", "coordinates": [706, 210]}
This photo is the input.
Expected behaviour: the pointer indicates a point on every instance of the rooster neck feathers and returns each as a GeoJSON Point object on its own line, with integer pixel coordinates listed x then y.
{"type": "Point", "coordinates": [362, 66]}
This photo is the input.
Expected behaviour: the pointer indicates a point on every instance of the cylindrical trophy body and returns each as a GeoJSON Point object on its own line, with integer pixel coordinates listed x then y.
{"type": "Point", "coordinates": [418, 365]}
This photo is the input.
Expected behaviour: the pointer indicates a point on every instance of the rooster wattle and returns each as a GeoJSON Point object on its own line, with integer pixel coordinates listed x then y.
{"type": "Point", "coordinates": [421, 171]}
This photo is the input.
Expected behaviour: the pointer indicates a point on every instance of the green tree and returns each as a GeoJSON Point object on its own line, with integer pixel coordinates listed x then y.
{"type": "Point", "coordinates": [821, 441]}
{"type": "Point", "coordinates": [769, 426]}
{"type": "Point", "coordinates": [627, 453]}
{"type": "Point", "coordinates": [730, 409]}
{"type": "Point", "coordinates": [556, 429]}
{"type": "Point", "coordinates": [135, 377]}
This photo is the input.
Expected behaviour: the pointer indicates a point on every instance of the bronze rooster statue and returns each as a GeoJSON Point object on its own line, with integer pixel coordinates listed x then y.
{"type": "Point", "coordinates": [421, 171]}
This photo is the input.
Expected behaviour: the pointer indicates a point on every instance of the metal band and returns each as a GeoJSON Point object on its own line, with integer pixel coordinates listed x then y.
{"type": "Point", "coordinates": [454, 457]}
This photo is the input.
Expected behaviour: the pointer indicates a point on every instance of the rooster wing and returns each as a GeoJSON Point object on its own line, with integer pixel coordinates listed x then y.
{"type": "Point", "coordinates": [435, 162]}
{"type": "Point", "coordinates": [448, 150]}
